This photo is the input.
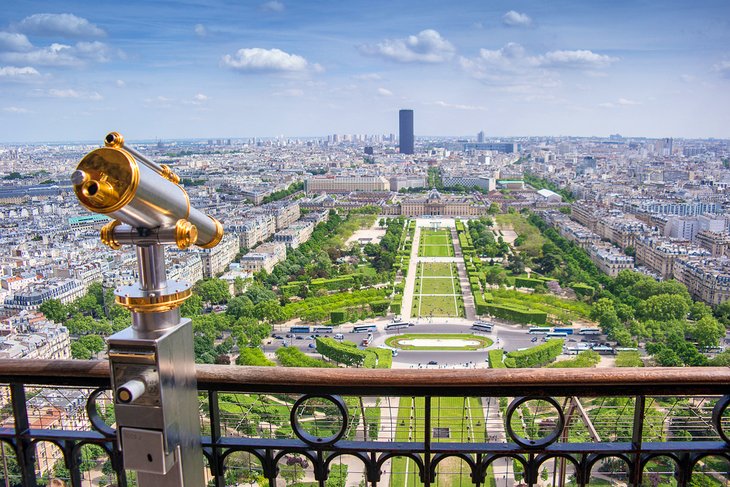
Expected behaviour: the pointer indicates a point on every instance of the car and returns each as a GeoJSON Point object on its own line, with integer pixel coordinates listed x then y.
{"type": "Point", "coordinates": [288, 335]}
{"type": "Point", "coordinates": [533, 339]}
{"type": "Point", "coordinates": [571, 339]}
{"type": "Point", "coordinates": [310, 338]}
{"type": "Point", "coordinates": [312, 345]}
{"type": "Point", "coordinates": [433, 362]}
{"type": "Point", "coordinates": [278, 337]}
{"type": "Point", "coordinates": [299, 337]}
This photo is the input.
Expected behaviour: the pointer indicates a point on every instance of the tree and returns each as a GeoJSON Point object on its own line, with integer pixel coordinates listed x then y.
{"type": "Point", "coordinates": [516, 264]}
{"type": "Point", "coordinates": [54, 310]}
{"type": "Point", "coordinates": [192, 306]}
{"type": "Point", "coordinates": [238, 285]}
{"type": "Point", "coordinates": [707, 332]}
{"type": "Point", "coordinates": [494, 208]}
{"type": "Point", "coordinates": [80, 352]}
{"type": "Point", "coordinates": [214, 291]}
{"type": "Point", "coordinates": [239, 307]}
{"type": "Point", "coordinates": [722, 313]}
{"type": "Point", "coordinates": [664, 307]}
{"type": "Point", "coordinates": [93, 343]}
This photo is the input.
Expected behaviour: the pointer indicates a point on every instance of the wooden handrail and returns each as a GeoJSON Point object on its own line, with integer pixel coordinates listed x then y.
{"type": "Point", "coordinates": [448, 382]}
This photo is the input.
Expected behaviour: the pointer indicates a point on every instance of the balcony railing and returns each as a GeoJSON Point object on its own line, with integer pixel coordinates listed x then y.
{"type": "Point", "coordinates": [342, 427]}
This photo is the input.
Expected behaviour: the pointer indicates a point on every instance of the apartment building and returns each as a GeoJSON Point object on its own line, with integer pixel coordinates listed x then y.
{"type": "Point", "coordinates": [659, 253]}
{"type": "Point", "coordinates": [707, 279]}
{"type": "Point", "coordinates": [609, 259]}
{"type": "Point", "coordinates": [295, 235]}
{"type": "Point", "coordinates": [345, 184]}
{"type": "Point", "coordinates": [216, 260]}
{"type": "Point", "coordinates": [32, 296]}
{"type": "Point", "coordinates": [717, 243]}
{"type": "Point", "coordinates": [265, 257]}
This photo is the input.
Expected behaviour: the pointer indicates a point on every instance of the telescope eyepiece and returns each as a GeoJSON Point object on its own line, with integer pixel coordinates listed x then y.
{"type": "Point", "coordinates": [114, 139]}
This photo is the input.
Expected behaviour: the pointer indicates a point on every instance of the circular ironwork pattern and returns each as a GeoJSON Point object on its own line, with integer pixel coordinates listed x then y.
{"type": "Point", "coordinates": [94, 418]}
{"type": "Point", "coordinates": [717, 413]}
{"type": "Point", "coordinates": [541, 442]}
{"type": "Point", "coordinates": [304, 435]}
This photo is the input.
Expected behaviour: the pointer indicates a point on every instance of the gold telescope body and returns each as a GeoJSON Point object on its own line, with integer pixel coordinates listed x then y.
{"type": "Point", "coordinates": [117, 181]}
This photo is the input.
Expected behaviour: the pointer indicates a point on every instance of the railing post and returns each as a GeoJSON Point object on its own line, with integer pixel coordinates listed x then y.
{"type": "Point", "coordinates": [637, 439]}
{"type": "Point", "coordinates": [217, 467]}
{"type": "Point", "coordinates": [426, 440]}
{"type": "Point", "coordinates": [24, 448]}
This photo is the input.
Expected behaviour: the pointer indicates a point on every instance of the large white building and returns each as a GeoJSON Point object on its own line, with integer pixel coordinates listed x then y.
{"type": "Point", "coordinates": [345, 184]}
{"type": "Point", "coordinates": [264, 257]}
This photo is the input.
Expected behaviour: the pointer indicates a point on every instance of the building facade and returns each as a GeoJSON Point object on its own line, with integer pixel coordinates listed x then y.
{"type": "Point", "coordinates": [406, 134]}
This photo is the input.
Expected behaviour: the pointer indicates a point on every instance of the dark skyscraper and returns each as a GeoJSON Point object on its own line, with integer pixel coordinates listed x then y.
{"type": "Point", "coordinates": [406, 131]}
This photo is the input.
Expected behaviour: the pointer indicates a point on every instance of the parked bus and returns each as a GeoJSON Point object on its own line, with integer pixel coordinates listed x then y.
{"type": "Point", "coordinates": [589, 331]}
{"type": "Point", "coordinates": [364, 328]}
{"type": "Point", "coordinates": [538, 330]}
{"type": "Point", "coordinates": [299, 329]}
{"type": "Point", "coordinates": [322, 329]}
{"type": "Point", "coordinates": [481, 327]}
{"type": "Point", "coordinates": [626, 349]}
{"type": "Point", "coordinates": [603, 350]}
{"type": "Point", "coordinates": [567, 331]}
{"type": "Point", "coordinates": [398, 325]}
{"type": "Point", "coordinates": [550, 335]}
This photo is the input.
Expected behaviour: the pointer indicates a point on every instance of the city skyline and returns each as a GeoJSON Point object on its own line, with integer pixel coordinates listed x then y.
{"type": "Point", "coordinates": [264, 69]}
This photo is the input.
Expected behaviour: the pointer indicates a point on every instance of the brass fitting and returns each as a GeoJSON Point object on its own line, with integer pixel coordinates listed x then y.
{"type": "Point", "coordinates": [168, 174]}
{"type": "Point", "coordinates": [185, 234]}
{"type": "Point", "coordinates": [114, 139]}
{"type": "Point", "coordinates": [107, 235]}
{"type": "Point", "coordinates": [218, 235]}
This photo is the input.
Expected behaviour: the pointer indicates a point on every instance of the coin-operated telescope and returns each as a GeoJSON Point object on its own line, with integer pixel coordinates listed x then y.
{"type": "Point", "coordinates": [152, 362]}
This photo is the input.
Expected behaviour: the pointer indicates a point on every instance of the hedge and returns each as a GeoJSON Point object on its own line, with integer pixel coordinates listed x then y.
{"type": "Point", "coordinates": [395, 307]}
{"type": "Point", "coordinates": [535, 356]}
{"type": "Point", "coordinates": [518, 315]}
{"type": "Point", "coordinates": [528, 282]}
{"type": "Point", "coordinates": [378, 358]}
{"type": "Point", "coordinates": [337, 317]}
{"type": "Point", "coordinates": [380, 306]}
{"type": "Point", "coordinates": [293, 357]}
{"type": "Point", "coordinates": [253, 356]}
{"type": "Point", "coordinates": [340, 352]}
{"type": "Point", "coordinates": [334, 284]}
{"type": "Point", "coordinates": [583, 289]}
{"type": "Point", "coordinates": [496, 359]}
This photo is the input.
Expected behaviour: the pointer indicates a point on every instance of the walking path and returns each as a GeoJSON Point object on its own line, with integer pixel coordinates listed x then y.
{"type": "Point", "coordinates": [502, 468]}
{"type": "Point", "coordinates": [469, 308]}
{"type": "Point", "coordinates": [409, 289]}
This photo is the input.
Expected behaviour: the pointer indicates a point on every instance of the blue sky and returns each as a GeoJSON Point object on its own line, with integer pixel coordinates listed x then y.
{"type": "Point", "coordinates": [74, 70]}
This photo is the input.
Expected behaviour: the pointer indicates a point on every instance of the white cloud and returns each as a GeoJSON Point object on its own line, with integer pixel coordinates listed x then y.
{"type": "Point", "coordinates": [62, 54]}
{"type": "Point", "coordinates": [272, 6]}
{"type": "Point", "coordinates": [516, 19]}
{"type": "Point", "coordinates": [200, 97]}
{"type": "Point", "coordinates": [120, 83]}
{"type": "Point", "coordinates": [621, 102]}
{"type": "Point", "coordinates": [723, 67]}
{"type": "Point", "coordinates": [457, 106]}
{"type": "Point", "coordinates": [292, 92]}
{"type": "Point", "coordinates": [10, 41]}
{"type": "Point", "coordinates": [384, 92]}
{"type": "Point", "coordinates": [627, 102]}
{"type": "Point", "coordinates": [62, 25]}
{"type": "Point", "coordinates": [368, 77]}
{"type": "Point", "coordinates": [576, 59]}
{"type": "Point", "coordinates": [200, 30]}
{"type": "Point", "coordinates": [425, 47]}
{"type": "Point", "coordinates": [257, 59]}
{"type": "Point", "coordinates": [73, 94]}
{"type": "Point", "coordinates": [13, 72]}
{"type": "Point", "coordinates": [18, 110]}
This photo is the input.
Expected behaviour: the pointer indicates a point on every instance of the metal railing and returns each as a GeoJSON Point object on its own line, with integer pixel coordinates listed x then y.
{"type": "Point", "coordinates": [337, 427]}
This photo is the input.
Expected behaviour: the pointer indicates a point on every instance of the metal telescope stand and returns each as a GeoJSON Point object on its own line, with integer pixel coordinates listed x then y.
{"type": "Point", "coordinates": [153, 373]}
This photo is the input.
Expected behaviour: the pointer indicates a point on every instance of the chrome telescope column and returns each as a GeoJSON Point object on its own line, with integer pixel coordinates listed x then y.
{"type": "Point", "coordinates": [152, 362]}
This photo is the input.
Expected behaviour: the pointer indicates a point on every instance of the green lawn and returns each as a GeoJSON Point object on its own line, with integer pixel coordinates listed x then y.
{"type": "Point", "coordinates": [435, 251]}
{"type": "Point", "coordinates": [437, 285]}
{"type": "Point", "coordinates": [454, 413]}
{"type": "Point", "coordinates": [533, 238]}
{"type": "Point", "coordinates": [436, 269]}
{"type": "Point", "coordinates": [441, 306]}
{"type": "Point", "coordinates": [568, 309]}
{"type": "Point", "coordinates": [395, 341]}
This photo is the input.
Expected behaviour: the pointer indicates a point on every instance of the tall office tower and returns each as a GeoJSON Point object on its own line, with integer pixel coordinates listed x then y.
{"type": "Point", "coordinates": [480, 137]}
{"type": "Point", "coordinates": [406, 131]}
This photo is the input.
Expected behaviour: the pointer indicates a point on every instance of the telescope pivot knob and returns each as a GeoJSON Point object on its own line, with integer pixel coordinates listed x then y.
{"type": "Point", "coordinates": [185, 234]}
{"type": "Point", "coordinates": [130, 391]}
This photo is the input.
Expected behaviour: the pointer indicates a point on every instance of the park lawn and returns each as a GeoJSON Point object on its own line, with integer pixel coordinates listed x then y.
{"type": "Point", "coordinates": [533, 238]}
{"type": "Point", "coordinates": [435, 251]}
{"type": "Point", "coordinates": [437, 285]}
{"type": "Point", "coordinates": [441, 306]}
{"type": "Point", "coordinates": [436, 239]}
{"type": "Point", "coordinates": [436, 269]}
{"type": "Point", "coordinates": [455, 413]}
{"type": "Point", "coordinates": [394, 341]}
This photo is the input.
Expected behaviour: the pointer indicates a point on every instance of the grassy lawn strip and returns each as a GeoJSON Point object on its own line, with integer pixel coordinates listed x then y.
{"type": "Point", "coordinates": [441, 306]}
{"type": "Point", "coordinates": [395, 341]}
{"type": "Point", "coordinates": [435, 251]}
{"type": "Point", "coordinates": [550, 304]}
{"type": "Point", "coordinates": [436, 269]}
{"type": "Point", "coordinates": [454, 413]}
{"type": "Point", "coordinates": [533, 239]}
{"type": "Point", "coordinates": [438, 285]}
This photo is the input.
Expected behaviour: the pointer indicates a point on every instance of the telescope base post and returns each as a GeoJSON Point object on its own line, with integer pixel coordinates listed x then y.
{"type": "Point", "coordinates": [159, 430]}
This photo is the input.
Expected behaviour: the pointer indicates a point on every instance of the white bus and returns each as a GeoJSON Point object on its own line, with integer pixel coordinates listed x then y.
{"type": "Point", "coordinates": [538, 330]}
{"type": "Point", "coordinates": [481, 327]}
{"type": "Point", "coordinates": [398, 325]}
{"type": "Point", "coordinates": [322, 329]}
{"type": "Point", "coordinates": [589, 331]}
{"type": "Point", "coordinates": [548, 336]}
